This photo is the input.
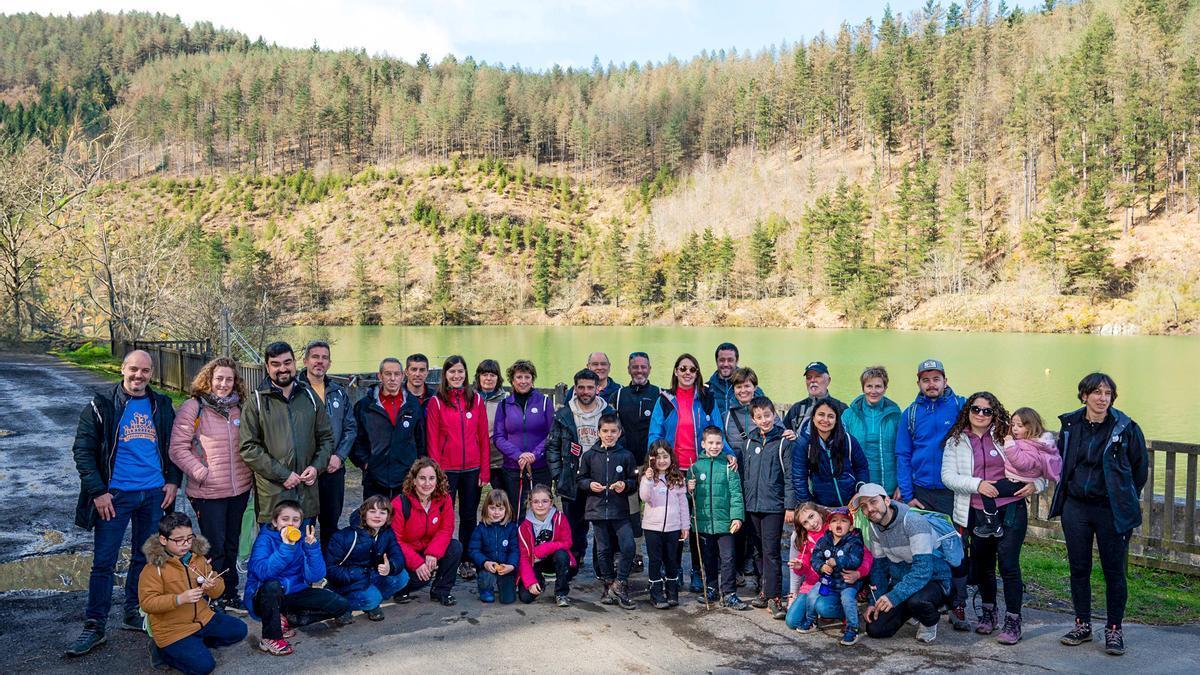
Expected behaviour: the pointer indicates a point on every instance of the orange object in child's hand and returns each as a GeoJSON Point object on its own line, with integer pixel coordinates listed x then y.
{"type": "Point", "coordinates": [290, 534]}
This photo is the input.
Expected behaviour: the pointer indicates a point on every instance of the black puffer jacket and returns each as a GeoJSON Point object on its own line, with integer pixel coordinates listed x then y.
{"type": "Point", "coordinates": [1125, 461]}
{"type": "Point", "coordinates": [387, 450]}
{"type": "Point", "coordinates": [607, 466]}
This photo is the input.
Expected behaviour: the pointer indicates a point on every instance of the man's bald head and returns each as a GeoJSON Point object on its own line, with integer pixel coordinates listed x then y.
{"type": "Point", "coordinates": [136, 369]}
{"type": "Point", "coordinates": [598, 363]}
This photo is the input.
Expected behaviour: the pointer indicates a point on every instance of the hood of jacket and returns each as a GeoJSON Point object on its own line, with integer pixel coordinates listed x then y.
{"type": "Point", "coordinates": [156, 553]}
{"type": "Point", "coordinates": [590, 416]}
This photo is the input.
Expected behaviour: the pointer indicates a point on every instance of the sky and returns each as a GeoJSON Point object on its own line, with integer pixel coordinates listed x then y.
{"type": "Point", "coordinates": [535, 34]}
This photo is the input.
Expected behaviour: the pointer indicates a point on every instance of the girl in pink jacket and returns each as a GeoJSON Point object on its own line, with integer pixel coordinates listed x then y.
{"type": "Point", "coordinates": [544, 538]}
{"type": "Point", "coordinates": [1029, 454]}
{"type": "Point", "coordinates": [666, 521]}
{"type": "Point", "coordinates": [205, 446]}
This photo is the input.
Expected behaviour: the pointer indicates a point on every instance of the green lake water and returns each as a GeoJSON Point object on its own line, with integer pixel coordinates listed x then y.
{"type": "Point", "coordinates": [1153, 373]}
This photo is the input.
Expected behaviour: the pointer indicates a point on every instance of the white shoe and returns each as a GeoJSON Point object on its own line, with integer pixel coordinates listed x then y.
{"type": "Point", "coordinates": [926, 633]}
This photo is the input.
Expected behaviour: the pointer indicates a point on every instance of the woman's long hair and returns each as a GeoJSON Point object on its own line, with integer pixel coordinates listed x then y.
{"type": "Point", "coordinates": [699, 385]}
{"type": "Point", "coordinates": [999, 418]}
{"type": "Point", "coordinates": [202, 383]}
{"type": "Point", "coordinates": [410, 481]}
{"type": "Point", "coordinates": [837, 443]}
{"type": "Point", "coordinates": [443, 390]}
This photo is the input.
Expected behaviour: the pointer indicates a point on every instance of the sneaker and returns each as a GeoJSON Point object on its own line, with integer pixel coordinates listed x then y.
{"type": "Point", "coordinates": [1011, 634]}
{"type": "Point", "coordinates": [447, 600]}
{"type": "Point", "coordinates": [759, 602]}
{"type": "Point", "coordinates": [984, 531]}
{"type": "Point", "coordinates": [850, 637]}
{"type": "Point", "coordinates": [402, 598]}
{"type": "Point", "coordinates": [233, 605]}
{"type": "Point", "coordinates": [696, 585]}
{"type": "Point", "coordinates": [1114, 641]}
{"type": "Point", "coordinates": [466, 571]}
{"type": "Point", "coordinates": [275, 647]}
{"type": "Point", "coordinates": [91, 637]}
{"type": "Point", "coordinates": [987, 620]}
{"type": "Point", "coordinates": [132, 621]}
{"type": "Point", "coordinates": [606, 598]}
{"type": "Point", "coordinates": [732, 601]}
{"type": "Point", "coordinates": [374, 614]}
{"type": "Point", "coordinates": [958, 619]}
{"type": "Point", "coordinates": [807, 626]}
{"type": "Point", "coordinates": [344, 619]}
{"type": "Point", "coordinates": [778, 611]}
{"type": "Point", "coordinates": [926, 633]}
{"type": "Point", "coordinates": [621, 595]}
{"type": "Point", "coordinates": [562, 601]}
{"type": "Point", "coordinates": [487, 596]}
{"type": "Point", "coordinates": [286, 627]}
{"type": "Point", "coordinates": [711, 596]}
{"type": "Point", "coordinates": [1081, 633]}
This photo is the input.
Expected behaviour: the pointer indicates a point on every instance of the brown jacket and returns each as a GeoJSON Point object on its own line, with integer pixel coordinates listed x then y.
{"type": "Point", "coordinates": [165, 577]}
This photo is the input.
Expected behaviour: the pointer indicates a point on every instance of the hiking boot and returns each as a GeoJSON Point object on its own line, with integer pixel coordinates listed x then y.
{"type": "Point", "coordinates": [1081, 633]}
{"type": "Point", "coordinates": [620, 593]}
{"type": "Point", "coordinates": [466, 571]}
{"type": "Point", "coordinates": [562, 601]}
{"type": "Point", "coordinates": [658, 595]}
{"type": "Point", "coordinates": [232, 605]}
{"type": "Point", "coordinates": [402, 598]}
{"type": "Point", "coordinates": [447, 600]}
{"type": "Point", "coordinates": [374, 614]}
{"type": "Point", "coordinates": [990, 527]}
{"type": "Point", "coordinates": [926, 634]}
{"type": "Point", "coordinates": [91, 637]}
{"type": "Point", "coordinates": [987, 620]}
{"type": "Point", "coordinates": [850, 637]}
{"type": "Point", "coordinates": [156, 659]}
{"type": "Point", "coordinates": [807, 626]}
{"type": "Point", "coordinates": [344, 619]}
{"type": "Point", "coordinates": [487, 595]}
{"type": "Point", "coordinates": [732, 601]}
{"type": "Point", "coordinates": [132, 621]}
{"type": "Point", "coordinates": [275, 647]}
{"type": "Point", "coordinates": [1011, 634]}
{"type": "Point", "coordinates": [958, 619]}
{"type": "Point", "coordinates": [286, 627]}
{"type": "Point", "coordinates": [1114, 641]}
{"type": "Point", "coordinates": [673, 592]}
{"type": "Point", "coordinates": [778, 611]}
{"type": "Point", "coordinates": [759, 601]}
{"type": "Point", "coordinates": [606, 598]}
{"type": "Point", "coordinates": [697, 585]}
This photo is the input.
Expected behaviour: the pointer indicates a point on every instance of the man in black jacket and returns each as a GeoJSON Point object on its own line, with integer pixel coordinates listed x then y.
{"type": "Point", "coordinates": [391, 432]}
{"type": "Point", "coordinates": [125, 475]}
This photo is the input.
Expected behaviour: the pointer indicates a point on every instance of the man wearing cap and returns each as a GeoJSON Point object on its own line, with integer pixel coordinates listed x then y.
{"type": "Point", "coordinates": [919, 441]}
{"type": "Point", "coordinates": [907, 580]}
{"type": "Point", "coordinates": [816, 380]}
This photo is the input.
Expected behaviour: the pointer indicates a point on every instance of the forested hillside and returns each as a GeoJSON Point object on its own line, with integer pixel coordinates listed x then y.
{"type": "Point", "coordinates": [966, 166]}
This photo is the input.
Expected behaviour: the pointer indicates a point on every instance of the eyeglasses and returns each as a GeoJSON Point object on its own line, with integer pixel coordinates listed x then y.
{"type": "Point", "coordinates": [986, 412]}
{"type": "Point", "coordinates": [183, 541]}
{"type": "Point", "coordinates": [687, 369]}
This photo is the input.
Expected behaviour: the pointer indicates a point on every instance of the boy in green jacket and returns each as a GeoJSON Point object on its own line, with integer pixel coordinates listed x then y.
{"type": "Point", "coordinates": [719, 511]}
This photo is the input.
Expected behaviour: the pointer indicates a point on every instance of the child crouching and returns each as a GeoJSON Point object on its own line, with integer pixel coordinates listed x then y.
{"type": "Point", "coordinates": [363, 562]}
{"type": "Point", "coordinates": [174, 589]}
{"type": "Point", "coordinates": [494, 550]}
{"type": "Point", "coordinates": [837, 551]}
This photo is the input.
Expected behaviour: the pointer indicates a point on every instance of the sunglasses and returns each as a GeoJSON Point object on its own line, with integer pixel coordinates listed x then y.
{"type": "Point", "coordinates": [687, 369]}
{"type": "Point", "coordinates": [986, 412]}
{"type": "Point", "coordinates": [182, 541]}
{"type": "Point", "coordinates": [638, 355]}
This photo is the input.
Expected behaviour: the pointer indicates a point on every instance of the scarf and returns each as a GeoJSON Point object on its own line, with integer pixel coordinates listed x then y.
{"type": "Point", "coordinates": [222, 404]}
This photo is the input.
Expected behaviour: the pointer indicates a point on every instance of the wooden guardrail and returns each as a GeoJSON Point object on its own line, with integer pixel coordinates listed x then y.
{"type": "Point", "coordinates": [1166, 539]}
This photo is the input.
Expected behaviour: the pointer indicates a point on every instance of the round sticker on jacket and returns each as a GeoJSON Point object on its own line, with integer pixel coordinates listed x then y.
{"type": "Point", "coordinates": [405, 424]}
{"type": "Point", "coordinates": [434, 521]}
{"type": "Point", "coordinates": [758, 451]}
{"type": "Point", "coordinates": [826, 554]}
{"type": "Point", "coordinates": [620, 469]}
{"type": "Point", "coordinates": [646, 413]}
{"type": "Point", "coordinates": [994, 453]}
{"type": "Point", "coordinates": [504, 543]}
{"type": "Point", "coordinates": [337, 404]}
{"type": "Point", "coordinates": [662, 490]}
{"type": "Point", "coordinates": [703, 476]}
{"type": "Point", "coordinates": [468, 415]}
{"type": "Point", "coordinates": [237, 422]}
{"type": "Point", "coordinates": [841, 553]}
{"type": "Point", "coordinates": [533, 410]}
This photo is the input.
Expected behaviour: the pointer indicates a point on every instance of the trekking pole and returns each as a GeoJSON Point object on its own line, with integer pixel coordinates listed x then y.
{"type": "Point", "coordinates": [696, 533]}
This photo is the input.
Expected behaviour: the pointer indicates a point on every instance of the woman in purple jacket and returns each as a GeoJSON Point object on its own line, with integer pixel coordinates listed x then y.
{"type": "Point", "coordinates": [523, 421]}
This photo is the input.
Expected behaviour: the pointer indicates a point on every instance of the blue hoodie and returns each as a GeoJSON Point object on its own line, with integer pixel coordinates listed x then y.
{"type": "Point", "coordinates": [919, 440]}
{"type": "Point", "coordinates": [295, 566]}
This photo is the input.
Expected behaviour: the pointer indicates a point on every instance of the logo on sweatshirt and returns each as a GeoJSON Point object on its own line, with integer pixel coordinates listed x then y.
{"type": "Point", "coordinates": [140, 428]}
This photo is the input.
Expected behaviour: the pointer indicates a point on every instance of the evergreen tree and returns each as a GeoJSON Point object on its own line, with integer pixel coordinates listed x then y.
{"type": "Point", "coordinates": [613, 265]}
{"type": "Point", "coordinates": [310, 255]}
{"type": "Point", "coordinates": [762, 257]}
{"type": "Point", "coordinates": [646, 281]}
{"type": "Point", "coordinates": [441, 298]}
{"type": "Point", "coordinates": [1089, 265]}
{"type": "Point", "coordinates": [399, 269]}
{"type": "Point", "coordinates": [543, 271]}
{"type": "Point", "coordinates": [687, 268]}
{"type": "Point", "coordinates": [363, 289]}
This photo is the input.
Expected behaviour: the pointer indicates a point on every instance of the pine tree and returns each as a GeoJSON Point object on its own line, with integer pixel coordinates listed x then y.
{"type": "Point", "coordinates": [1088, 263]}
{"type": "Point", "coordinates": [723, 268]}
{"type": "Point", "coordinates": [310, 253]}
{"type": "Point", "coordinates": [399, 269]}
{"type": "Point", "coordinates": [645, 279]}
{"type": "Point", "coordinates": [543, 272]}
{"type": "Point", "coordinates": [762, 257]}
{"type": "Point", "coordinates": [364, 290]}
{"type": "Point", "coordinates": [687, 268]}
{"type": "Point", "coordinates": [440, 297]}
{"type": "Point", "coordinates": [613, 262]}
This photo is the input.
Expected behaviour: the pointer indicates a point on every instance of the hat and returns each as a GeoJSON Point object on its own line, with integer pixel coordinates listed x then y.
{"type": "Point", "coordinates": [931, 364]}
{"type": "Point", "coordinates": [867, 491]}
{"type": "Point", "coordinates": [817, 366]}
{"type": "Point", "coordinates": [839, 512]}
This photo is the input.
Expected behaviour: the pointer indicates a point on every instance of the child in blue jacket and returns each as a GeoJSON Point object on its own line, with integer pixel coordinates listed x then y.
{"type": "Point", "coordinates": [840, 549]}
{"type": "Point", "coordinates": [494, 550]}
{"type": "Point", "coordinates": [282, 570]}
{"type": "Point", "coordinates": [363, 562]}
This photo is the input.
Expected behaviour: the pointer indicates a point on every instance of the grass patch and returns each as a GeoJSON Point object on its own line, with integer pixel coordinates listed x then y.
{"type": "Point", "coordinates": [98, 359]}
{"type": "Point", "coordinates": [1156, 597]}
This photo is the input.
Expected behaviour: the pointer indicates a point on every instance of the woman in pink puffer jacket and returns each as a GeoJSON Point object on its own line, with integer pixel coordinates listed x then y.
{"type": "Point", "coordinates": [205, 445]}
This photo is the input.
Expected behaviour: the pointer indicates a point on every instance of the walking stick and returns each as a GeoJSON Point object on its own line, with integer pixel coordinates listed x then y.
{"type": "Point", "coordinates": [696, 532]}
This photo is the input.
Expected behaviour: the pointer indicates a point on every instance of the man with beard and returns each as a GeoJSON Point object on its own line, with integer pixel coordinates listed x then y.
{"type": "Point", "coordinates": [125, 475]}
{"type": "Point", "coordinates": [816, 381]}
{"type": "Point", "coordinates": [331, 484]}
{"type": "Point", "coordinates": [721, 382]}
{"type": "Point", "coordinates": [576, 428]}
{"type": "Point", "coordinates": [285, 437]}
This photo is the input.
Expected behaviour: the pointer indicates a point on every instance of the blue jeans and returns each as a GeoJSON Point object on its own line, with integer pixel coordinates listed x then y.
{"type": "Point", "coordinates": [191, 654]}
{"type": "Point", "coordinates": [381, 587]}
{"type": "Point", "coordinates": [809, 608]}
{"type": "Point", "coordinates": [506, 583]}
{"type": "Point", "coordinates": [144, 509]}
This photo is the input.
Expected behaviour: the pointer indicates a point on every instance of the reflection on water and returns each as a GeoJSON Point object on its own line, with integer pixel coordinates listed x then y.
{"type": "Point", "coordinates": [59, 572]}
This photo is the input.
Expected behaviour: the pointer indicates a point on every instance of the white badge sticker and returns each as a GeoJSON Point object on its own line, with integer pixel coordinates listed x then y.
{"type": "Point", "coordinates": [662, 490]}
{"type": "Point", "coordinates": [468, 415]}
{"type": "Point", "coordinates": [703, 476]}
{"type": "Point", "coordinates": [405, 424]}
{"type": "Point", "coordinates": [533, 410]}
{"type": "Point", "coordinates": [758, 451]}
{"type": "Point", "coordinates": [826, 553]}
{"type": "Point", "coordinates": [620, 469]}
{"type": "Point", "coordinates": [504, 543]}
{"type": "Point", "coordinates": [841, 553]}
{"type": "Point", "coordinates": [435, 519]}
{"type": "Point", "coordinates": [237, 422]}
{"type": "Point", "coordinates": [994, 453]}
{"type": "Point", "coordinates": [646, 413]}
{"type": "Point", "coordinates": [337, 404]}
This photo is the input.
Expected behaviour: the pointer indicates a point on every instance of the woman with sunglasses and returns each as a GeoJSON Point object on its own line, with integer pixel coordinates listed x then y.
{"type": "Point", "coordinates": [972, 467]}
{"type": "Point", "coordinates": [680, 416]}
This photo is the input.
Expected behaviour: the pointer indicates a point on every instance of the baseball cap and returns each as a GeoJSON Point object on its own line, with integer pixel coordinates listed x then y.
{"type": "Point", "coordinates": [839, 512]}
{"type": "Point", "coordinates": [867, 491]}
{"type": "Point", "coordinates": [817, 366]}
{"type": "Point", "coordinates": [931, 364]}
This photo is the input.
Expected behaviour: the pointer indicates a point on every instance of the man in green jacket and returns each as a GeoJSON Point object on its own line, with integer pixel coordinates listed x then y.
{"type": "Point", "coordinates": [286, 438]}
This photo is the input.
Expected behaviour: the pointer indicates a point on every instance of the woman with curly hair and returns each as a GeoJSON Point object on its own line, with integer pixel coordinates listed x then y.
{"type": "Point", "coordinates": [204, 445]}
{"type": "Point", "coordinates": [972, 467]}
{"type": "Point", "coordinates": [423, 520]}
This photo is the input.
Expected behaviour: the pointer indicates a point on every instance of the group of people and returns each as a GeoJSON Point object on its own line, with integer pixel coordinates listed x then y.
{"type": "Point", "coordinates": [899, 510]}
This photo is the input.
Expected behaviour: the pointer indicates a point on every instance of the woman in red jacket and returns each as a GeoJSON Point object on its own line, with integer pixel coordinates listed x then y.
{"type": "Point", "coordinates": [423, 520]}
{"type": "Point", "coordinates": [457, 427]}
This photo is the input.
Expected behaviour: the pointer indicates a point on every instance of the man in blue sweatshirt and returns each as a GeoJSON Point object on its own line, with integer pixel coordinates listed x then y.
{"type": "Point", "coordinates": [919, 441]}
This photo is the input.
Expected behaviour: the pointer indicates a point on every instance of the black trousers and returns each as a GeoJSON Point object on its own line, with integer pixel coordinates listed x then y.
{"type": "Point", "coordinates": [371, 489]}
{"type": "Point", "coordinates": [717, 551]}
{"type": "Point", "coordinates": [464, 492]}
{"type": "Point", "coordinates": [612, 535]}
{"type": "Point", "coordinates": [575, 509]}
{"type": "Point", "coordinates": [307, 605]}
{"type": "Point", "coordinates": [662, 548]}
{"type": "Point", "coordinates": [768, 530]}
{"type": "Point", "coordinates": [987, 552]}
{"type": "Point", "coordinates": [518, 487]}
{"type": "Point", "coordinates": [445, 574]}
{"type": "Point", "coordinates": [1004, 488]}
{"type": "Point", "coordinates": [748, 555]}
{"type": "Point", "coordinates": [1083, 523]}
{"type": "Point", "coordinates": [221, 524]}
{"type": "Point", "coordinates": [922, 605]}
{"type": "Point", "coordinates": [560, 565]}
{"type": "Point", "coordinates": [331, 494]}
{"type": "Point", "coordinates": [942, 501]}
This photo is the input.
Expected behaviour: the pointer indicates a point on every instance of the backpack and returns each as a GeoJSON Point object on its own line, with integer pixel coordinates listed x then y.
{"type": "Point", "coordinates": [947, 543]}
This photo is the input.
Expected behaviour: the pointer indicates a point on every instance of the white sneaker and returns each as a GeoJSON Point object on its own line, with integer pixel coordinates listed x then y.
{"type": "Point", "coordinates": [926, 633]}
